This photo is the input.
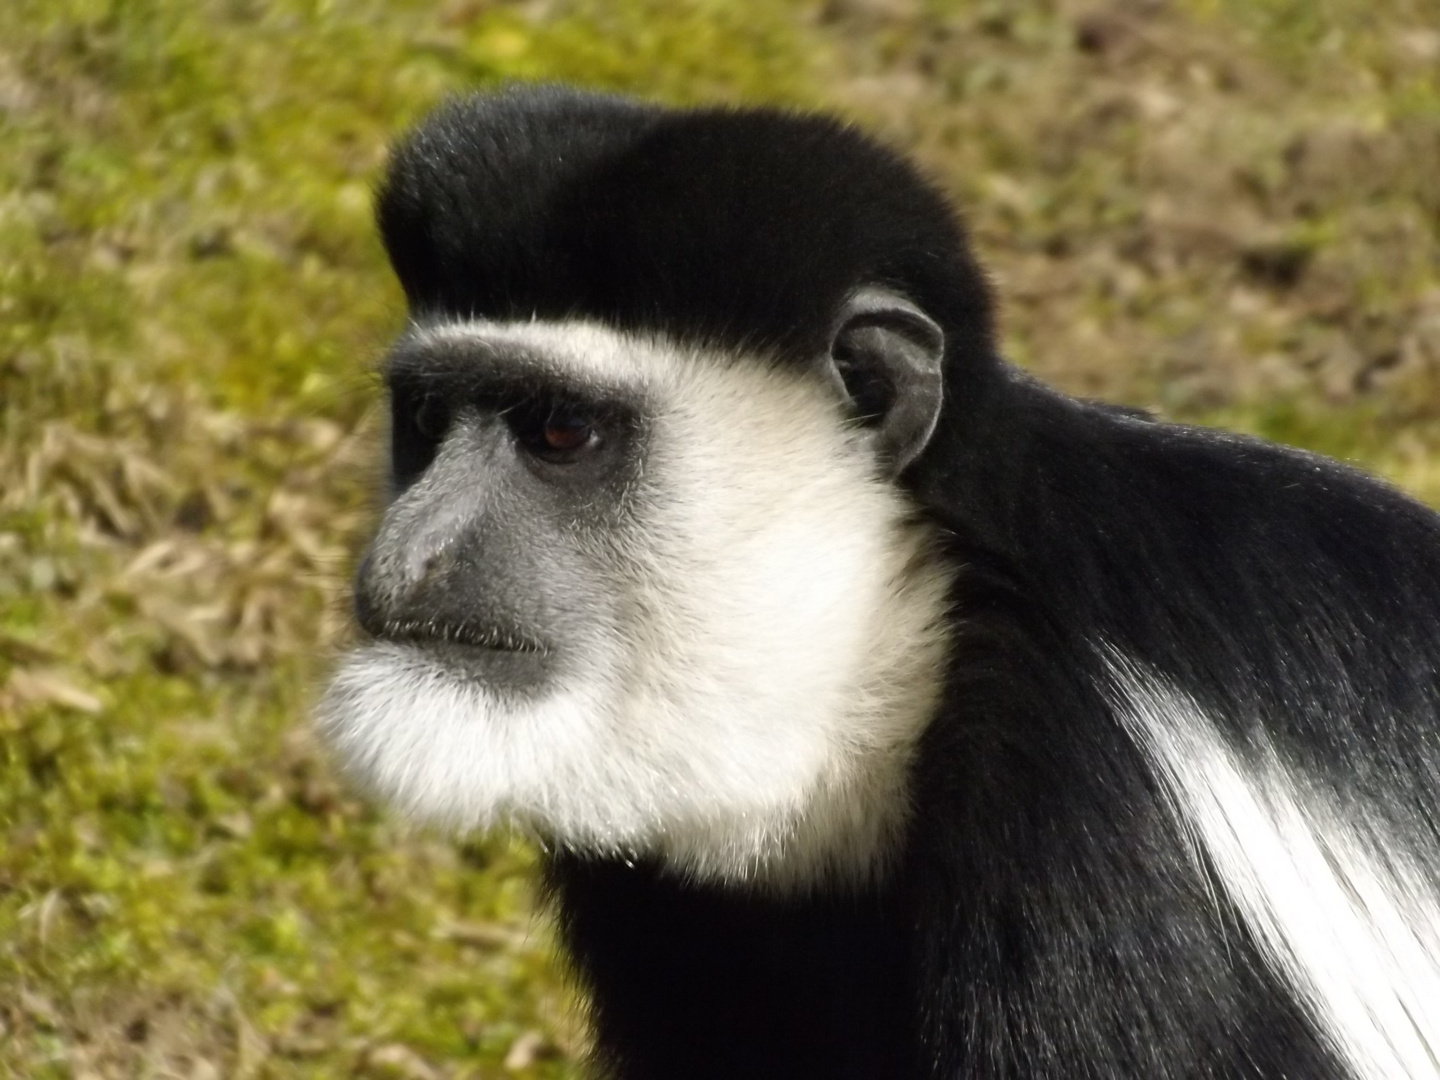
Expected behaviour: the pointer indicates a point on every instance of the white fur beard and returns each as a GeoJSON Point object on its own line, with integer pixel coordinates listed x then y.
{"type": "Point", "coordinates": [774, 811]}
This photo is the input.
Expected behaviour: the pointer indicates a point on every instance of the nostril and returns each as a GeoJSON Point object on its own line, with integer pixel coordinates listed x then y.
{"type": "Point", "coordinates": [428, 559]}
{"type": "Point", "coordinates": [434, 562]}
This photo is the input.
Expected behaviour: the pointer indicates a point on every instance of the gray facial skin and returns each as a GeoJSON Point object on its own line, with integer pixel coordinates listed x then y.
{"type": "Point", "coordinates": [492, 555]}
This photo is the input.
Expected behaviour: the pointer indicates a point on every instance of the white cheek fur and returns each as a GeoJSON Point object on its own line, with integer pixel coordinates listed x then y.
{"type": "Point", "coordinates": [750, 716]}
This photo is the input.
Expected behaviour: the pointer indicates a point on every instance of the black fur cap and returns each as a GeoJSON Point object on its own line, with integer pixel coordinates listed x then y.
{"type": "Point", "coordinates": [742, 228]}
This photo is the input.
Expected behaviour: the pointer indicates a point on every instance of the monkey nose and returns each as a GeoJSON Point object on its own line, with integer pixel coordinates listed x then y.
{"type": "Point", "coordinates": [399, 581]}
{"type": "Point", "coordinates": [422, 541]}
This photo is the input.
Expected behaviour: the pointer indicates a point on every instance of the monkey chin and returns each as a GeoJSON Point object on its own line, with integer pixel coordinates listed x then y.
{"type": "Point", "coordinates": [446, 745]}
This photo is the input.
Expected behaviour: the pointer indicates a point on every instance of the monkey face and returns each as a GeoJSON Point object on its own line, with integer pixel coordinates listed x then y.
{"type": "Point", "coordinates": [643, 599]}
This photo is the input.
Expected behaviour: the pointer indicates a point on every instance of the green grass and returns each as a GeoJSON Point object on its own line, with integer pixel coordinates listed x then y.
{"type": "Point", "coordinates": [1225, 209]}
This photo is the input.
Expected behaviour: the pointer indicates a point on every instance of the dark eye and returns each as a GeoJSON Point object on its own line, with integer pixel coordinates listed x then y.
{"type": "Point", "coordinates": [429, 416]}
{"type": "Point", "coordinates": [567, 432]}
{"type": "Point", "coordinates": [555, 434]}
{"type": "Point", "coordinates": [419, 421]}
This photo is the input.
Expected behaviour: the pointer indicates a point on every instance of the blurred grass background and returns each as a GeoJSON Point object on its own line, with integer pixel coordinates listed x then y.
{"type": "Point", "coordinates": [1228, 210]}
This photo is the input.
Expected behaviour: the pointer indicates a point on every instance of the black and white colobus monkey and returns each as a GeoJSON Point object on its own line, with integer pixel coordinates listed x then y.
{"type": "Point", "coordinates": [884, 713]}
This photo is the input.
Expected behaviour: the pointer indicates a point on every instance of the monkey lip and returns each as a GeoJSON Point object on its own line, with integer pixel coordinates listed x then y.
{"type": "Point", "coordinates": [497, 659]}
{"type": "Point", "coordinates": [465, 636]}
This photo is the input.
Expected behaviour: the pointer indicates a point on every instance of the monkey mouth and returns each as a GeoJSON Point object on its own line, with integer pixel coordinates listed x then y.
{"type": "Point", "coordinates": [500, 659]}
{"type": "Point", "coordinates": [432, 634]}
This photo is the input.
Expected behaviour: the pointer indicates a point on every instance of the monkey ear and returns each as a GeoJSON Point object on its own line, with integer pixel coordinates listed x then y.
{"type": "Point", "coordinates": [885, 359]}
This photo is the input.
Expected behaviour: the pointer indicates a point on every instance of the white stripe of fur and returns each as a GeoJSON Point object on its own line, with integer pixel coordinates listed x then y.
{"type": "Point", "coordinates": [1343, 912]}
{"type": "Point", "coordinates": [779, 647]}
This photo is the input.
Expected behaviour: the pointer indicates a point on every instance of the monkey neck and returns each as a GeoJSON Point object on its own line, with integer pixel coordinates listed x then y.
{"type": "Point", "coordinates": [686, 977]}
